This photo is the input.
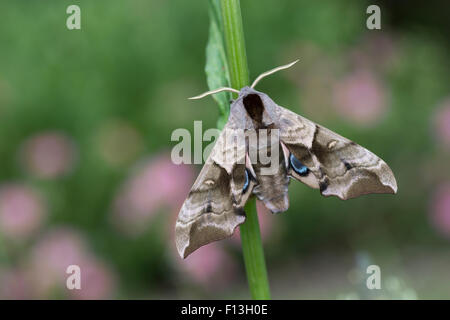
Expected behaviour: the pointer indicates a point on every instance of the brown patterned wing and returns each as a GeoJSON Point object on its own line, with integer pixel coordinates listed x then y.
{"type": "Point", "coordinates": [337, 166]}
{"type": "Point", "coordinates": [214, 206]}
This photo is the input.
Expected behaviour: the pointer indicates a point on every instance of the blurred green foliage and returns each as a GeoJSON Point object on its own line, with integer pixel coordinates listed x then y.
{"type": "Point", "coordinates": [139, 60]}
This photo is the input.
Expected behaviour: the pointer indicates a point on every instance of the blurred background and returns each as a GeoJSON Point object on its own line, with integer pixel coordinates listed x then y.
{"type": "Point", "coordinates": [85, 172]}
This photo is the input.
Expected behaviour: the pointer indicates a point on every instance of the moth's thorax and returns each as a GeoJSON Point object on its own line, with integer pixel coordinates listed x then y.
{"type": "Point", "coordinates": [252, 106]}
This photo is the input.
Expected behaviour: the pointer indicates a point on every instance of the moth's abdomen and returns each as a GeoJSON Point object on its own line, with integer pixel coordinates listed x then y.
{"type": "Point", "coordinates": [272, 189]}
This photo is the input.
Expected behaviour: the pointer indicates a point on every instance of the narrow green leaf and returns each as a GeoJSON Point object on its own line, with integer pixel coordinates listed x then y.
{"type": "Point", "coordinates": [216, 62]}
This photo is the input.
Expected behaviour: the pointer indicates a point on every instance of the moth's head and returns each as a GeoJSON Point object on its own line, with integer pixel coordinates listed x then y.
{"type": "Point", "coordinates": [245, 91]}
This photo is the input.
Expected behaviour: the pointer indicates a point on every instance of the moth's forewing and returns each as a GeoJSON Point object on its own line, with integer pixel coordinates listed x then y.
{"type": "Point", "coordinates": [341, 167]}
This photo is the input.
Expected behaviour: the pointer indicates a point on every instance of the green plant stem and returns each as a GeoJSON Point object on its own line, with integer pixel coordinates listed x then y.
{"type": "Point", "coordinates": [252, 248]}
{"type": "Point", "coordinates": [235, 43]}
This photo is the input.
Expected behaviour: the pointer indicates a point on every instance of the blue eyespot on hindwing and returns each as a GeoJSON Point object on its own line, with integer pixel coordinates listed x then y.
{"type": "Point", "coordinates": [298, 167]}
{"type": "Point", "coordinates": [247, 182]}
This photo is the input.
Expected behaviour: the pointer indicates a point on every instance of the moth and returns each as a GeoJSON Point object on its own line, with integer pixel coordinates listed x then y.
{"type": "Point", "coordinates": [308, 152]}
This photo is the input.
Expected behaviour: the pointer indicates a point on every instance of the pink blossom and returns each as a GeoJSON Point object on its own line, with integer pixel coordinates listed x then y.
{"type": "Point", "coordinates": [97, 281]}
{"type": "Point", "coordinates": [51, 256]}
{"type": "Point", "coordinates": [209, 266]}
{"type": "Point", "coordinates": [442, 123]}
{"type": "Point", "coordinates": [21, 211]}
{"type": "Point", "coordinates": [118, 142]}
{"type": "Point", "coordinates": [54, 253]}
{"type": "Point", "coordinates": [158, 182]}
{"type": "Point", "coordinates": [48, 154]}
{"type": "Point", "coordinates": [440, 209]}
{"type": "Point", "coordinates": [360, 97]}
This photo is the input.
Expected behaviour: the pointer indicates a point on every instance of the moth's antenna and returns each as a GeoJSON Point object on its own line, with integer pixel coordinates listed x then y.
{"type": "Point", "coordinates": [267, 73]}
{"type": "Point", "coordinates": [207, 93]}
